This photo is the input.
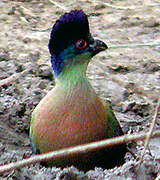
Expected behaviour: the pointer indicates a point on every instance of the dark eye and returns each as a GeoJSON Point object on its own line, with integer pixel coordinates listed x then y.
{"type": "Point", "coordinates": [81, 44]}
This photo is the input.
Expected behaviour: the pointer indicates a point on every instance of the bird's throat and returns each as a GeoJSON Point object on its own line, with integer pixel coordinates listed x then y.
{"type": "Point", "coordinates": [73, 76]}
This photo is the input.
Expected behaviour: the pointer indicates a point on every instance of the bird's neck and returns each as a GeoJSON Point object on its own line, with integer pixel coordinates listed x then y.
{"type": "Point", "coordinates": [73, 76]}
{"type": "Point", "coordinates": [74, 88]}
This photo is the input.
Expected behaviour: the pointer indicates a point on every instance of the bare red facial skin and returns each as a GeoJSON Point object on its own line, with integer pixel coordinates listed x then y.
{"type": "Point", "coordinates": [81, 44]}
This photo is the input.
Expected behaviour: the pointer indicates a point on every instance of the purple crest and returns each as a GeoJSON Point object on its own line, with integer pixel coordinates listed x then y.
{"type": "Point", "coordinates": [69, 28]}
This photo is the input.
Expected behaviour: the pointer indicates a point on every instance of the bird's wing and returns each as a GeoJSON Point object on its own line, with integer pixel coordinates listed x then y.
{"type": "Point", "coordinates": [114, 128]}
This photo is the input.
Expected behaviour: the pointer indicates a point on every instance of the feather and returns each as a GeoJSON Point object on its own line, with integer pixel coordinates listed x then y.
{"type": "Point", "coordinates": [69, 28]}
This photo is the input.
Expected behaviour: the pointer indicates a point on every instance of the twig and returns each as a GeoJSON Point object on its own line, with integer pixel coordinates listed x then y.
{"type": "Point", "coordinates": [12, 78]}
{"type": "Point", "coordinates": [58, 5]}
{"type": "Point", "coordinates": [134, 45]}
{"type": "Point", "coordinates": [114, 6]}
{"type": "Point", "coordinates": [149, 134]}
{"type": "Point", "coordinates": [64, 153]}
{"type": "Point", "coordinates": [124, 7]}
{"type": "Point", "coordinates": [119, 7]}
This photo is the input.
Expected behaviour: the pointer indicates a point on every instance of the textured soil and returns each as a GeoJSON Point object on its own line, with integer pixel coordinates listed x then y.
{"type": "Point", "coordinates": [126, 76]}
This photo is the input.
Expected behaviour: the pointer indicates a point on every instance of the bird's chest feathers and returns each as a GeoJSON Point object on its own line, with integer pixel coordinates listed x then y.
{"type": "Point", "coordinates": [74, 114]}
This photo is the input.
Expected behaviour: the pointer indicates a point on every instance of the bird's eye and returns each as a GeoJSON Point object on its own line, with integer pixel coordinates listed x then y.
{"type": "Point", "coordinates": [81, 44]}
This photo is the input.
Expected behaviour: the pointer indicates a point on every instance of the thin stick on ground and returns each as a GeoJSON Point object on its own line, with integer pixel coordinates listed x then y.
{"type": "Point", "coordinates": [124, 7]}
{"type": "Point", "coordinates": [13, 77]}
{"type": "Point", "coordinates": [58, 5]}
{"type": "Point", "coordinates": [153, 44]}
{"type": "Point", "coordinates": [77, 150]}
{"type": "Point", "coordinates": [149, 134]}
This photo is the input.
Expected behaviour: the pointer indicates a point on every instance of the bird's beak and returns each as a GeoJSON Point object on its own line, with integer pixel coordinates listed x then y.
{"type": "Point", "coordinates": [97, 46]}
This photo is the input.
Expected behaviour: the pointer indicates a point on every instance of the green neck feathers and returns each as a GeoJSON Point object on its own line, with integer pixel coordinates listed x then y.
{"type": "Point", "coordinates": [73, 76]}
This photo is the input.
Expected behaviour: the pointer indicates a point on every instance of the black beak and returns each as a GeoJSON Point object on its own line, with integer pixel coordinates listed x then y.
{"type": "Point", "coordinates": [97, 46]}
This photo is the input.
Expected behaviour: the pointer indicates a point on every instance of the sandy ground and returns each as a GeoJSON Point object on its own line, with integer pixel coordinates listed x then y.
{"type": "Point", "coordinates": [128, 77]}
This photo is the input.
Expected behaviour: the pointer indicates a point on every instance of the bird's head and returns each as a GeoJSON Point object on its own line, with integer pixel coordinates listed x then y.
{"type": "Point", "coordinates": [71, 43]}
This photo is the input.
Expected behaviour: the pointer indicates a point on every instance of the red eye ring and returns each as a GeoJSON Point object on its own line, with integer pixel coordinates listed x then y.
{"type": "Point", "coordinates": [81, 44]}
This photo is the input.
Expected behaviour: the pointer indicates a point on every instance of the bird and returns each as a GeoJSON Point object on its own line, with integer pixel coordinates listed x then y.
{"type": "Point", "coordinates": [72, 113]}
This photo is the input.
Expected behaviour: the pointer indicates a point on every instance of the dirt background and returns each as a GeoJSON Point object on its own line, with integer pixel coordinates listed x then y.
{"type": "Point", "coordinates": [127, 76]}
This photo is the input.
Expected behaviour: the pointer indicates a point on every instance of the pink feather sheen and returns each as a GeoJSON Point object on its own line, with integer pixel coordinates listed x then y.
{"type": "Point", "coordinates": [69, 116]}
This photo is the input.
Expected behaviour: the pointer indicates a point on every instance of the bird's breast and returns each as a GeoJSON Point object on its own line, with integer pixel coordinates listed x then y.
{"type": "Point", "coordinates": [63, 119]}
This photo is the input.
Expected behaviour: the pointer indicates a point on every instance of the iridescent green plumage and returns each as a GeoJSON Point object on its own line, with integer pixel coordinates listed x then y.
{"type": "Point", "coordinates": [72, 113]}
